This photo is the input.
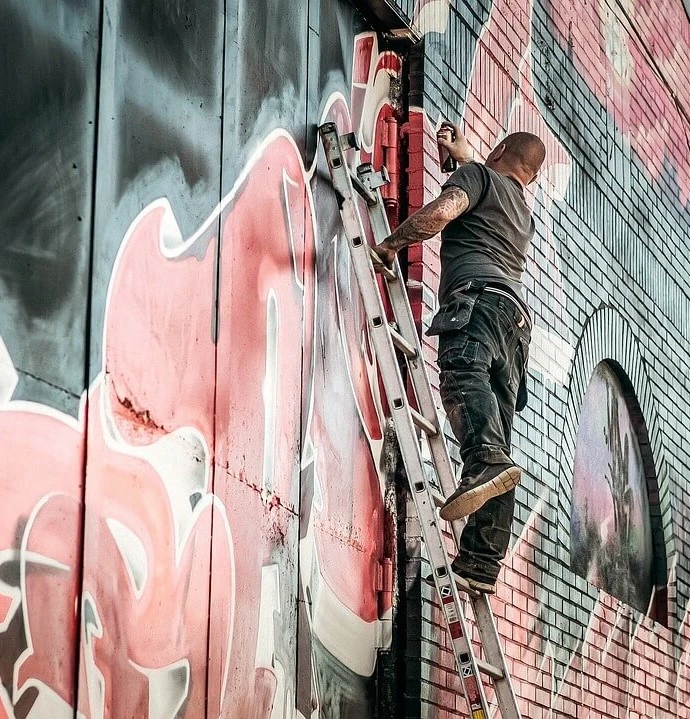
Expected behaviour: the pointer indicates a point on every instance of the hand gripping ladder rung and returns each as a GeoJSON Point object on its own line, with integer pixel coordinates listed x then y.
{"type": "Point", "coordinates": [407, 420]}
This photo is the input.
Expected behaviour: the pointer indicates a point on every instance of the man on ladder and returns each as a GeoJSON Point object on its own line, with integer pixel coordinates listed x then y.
{"type": "Point", "coordinates": [484, 329]}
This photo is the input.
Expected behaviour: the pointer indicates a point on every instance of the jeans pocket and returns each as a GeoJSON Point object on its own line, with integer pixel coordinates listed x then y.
{"type": "Point", "coordinates": [457, 352]}
{"type": "Point", "coordinates": [452, 316]}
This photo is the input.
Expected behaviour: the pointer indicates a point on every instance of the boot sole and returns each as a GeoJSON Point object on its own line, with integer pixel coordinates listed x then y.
{"type": "Point", "coordinates": [481, 587]}
{"type": "Point", "coordinates": [465, 584]}
{"type": "Point", "coordinates": [469, 502]}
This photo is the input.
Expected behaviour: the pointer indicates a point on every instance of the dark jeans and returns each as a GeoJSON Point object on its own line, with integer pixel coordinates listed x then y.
{"type": "Point", "coordinates": [482, 355]}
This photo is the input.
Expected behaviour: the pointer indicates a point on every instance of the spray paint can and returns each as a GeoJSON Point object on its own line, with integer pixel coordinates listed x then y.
{"type": "Point", "coordinates": [448, 164]}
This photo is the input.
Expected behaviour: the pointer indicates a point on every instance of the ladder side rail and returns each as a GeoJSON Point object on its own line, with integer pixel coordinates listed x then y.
{"type": "Point", "coordinates": [418, 373]}
{"type": "Point", "coordinates": [405, 428]}
{"type": "Point", "coordinates": [494, 654]}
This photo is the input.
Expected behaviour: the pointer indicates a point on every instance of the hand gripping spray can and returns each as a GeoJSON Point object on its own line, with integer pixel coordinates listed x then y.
{"type": "Point", "coordinates": [448, 164]}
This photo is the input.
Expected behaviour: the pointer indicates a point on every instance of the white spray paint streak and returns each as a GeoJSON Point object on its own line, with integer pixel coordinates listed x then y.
{"type": "Point", "coordinates": [133, 555]}
{"type": "Point", "coordinates": [95, 681]}
{"type": "Point", "coordinates": [269, 391]}
{"type": "Point", "coordinates": [287, 180]}
{"type": "Point", "coordinates": [265, 657]}
{"type": "Point", "coordinates": [167, 693]}
{"type": "Point", "coordinates": [8, 374]}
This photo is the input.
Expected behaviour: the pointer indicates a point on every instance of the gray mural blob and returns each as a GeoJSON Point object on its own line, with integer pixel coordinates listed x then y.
{"type": "Point", "coordinates": [610, 523]}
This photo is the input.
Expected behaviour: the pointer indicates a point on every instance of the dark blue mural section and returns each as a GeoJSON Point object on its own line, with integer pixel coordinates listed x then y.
{"type": "Point", "coordinates": [47, 128]}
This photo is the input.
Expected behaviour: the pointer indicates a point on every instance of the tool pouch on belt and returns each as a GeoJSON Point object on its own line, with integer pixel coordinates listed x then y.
{"type": "Point", "coordinates": [452, 316]}
{"type": "Point", "coordinates": [455, 314]}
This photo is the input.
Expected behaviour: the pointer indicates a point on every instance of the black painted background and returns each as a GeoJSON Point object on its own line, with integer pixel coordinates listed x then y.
{"type": "Point", "coordinates": [48, 52]}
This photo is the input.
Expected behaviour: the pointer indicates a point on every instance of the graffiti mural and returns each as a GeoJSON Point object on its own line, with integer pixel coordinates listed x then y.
{"type": "Point", "coordinates": [611, 530]}
{"type": "Point", "coordinates": [204, 486]}
{"type": "Point", "coordinates": [195, 519]}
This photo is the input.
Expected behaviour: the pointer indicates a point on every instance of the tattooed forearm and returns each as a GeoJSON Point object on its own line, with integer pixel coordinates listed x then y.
{"type": "Point", "coordinates": [430, 220]}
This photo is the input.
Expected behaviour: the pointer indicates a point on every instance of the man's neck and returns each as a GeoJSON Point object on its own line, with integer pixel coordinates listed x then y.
{"type": "Point", "coordinates": [509, 172]}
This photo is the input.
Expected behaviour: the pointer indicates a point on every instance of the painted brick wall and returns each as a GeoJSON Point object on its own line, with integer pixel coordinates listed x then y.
{"type": "Point", "coordinates": [603, 84]}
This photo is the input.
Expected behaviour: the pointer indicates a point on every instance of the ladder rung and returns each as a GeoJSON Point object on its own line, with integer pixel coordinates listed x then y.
{"type": "Point", "coordinates": [408, 349]}
{"type": "Point", "coordinates": [463, 585]}
{"type": "Point", "coordinates": [489, 669]}
{"type": "Point", "coordinates": [439, 499]}
{"type": "Point", "coordinates": [460, 583]}
{"type": "Point", "coordinates": [369, 197]}
{"type": "Point", "coordinates": [423, 423]}
{"type": "Point", "coordinates": [389, 274]}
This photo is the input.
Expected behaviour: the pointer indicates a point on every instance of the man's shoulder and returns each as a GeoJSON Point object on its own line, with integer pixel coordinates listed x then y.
{"type": "Point", "coordinates": [470, 177]}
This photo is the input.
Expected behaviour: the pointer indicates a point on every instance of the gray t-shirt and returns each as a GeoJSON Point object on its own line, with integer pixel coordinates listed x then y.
{"type": "Point", "coordinates": [489, 241]}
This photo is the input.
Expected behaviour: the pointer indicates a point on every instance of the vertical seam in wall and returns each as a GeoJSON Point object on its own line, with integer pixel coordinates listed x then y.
{"type": "Point", "coordinates": [305, 329]}
{"type": "Point", "coordinates": [87, 360]}
{"type": "Point", "coordinates": [216, 332]}
{"type": "Point", "coordinates": [402, 623]}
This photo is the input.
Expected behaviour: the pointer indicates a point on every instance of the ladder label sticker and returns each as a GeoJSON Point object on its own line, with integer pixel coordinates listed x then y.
{"type": "Point", "coordinates": [451, 613]}
{"type": "Point", "coordinates": [478, 714]}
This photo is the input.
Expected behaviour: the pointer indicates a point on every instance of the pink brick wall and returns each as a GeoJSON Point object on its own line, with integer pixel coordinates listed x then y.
{"type": "Point", "coordinates": [604, 85]}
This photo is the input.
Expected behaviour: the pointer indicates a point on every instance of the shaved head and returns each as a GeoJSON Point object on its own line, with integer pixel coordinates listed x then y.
{"type": "Point", "coordinates": [522, 152]}
{"type": "Point", "coordinates": [526, 148]}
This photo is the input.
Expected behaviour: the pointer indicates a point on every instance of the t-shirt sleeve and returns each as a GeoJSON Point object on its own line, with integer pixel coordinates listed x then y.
{"type": "Point", "coordinates": [472, 179]}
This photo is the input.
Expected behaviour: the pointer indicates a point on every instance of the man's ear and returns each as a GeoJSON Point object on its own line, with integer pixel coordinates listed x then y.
{"type": "Point", "coordinates": [498, 152]}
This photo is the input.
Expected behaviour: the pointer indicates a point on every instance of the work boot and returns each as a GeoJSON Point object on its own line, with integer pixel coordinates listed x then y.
{"type": "Point", "coordinates": [475, 491]}
{"type": "Point", "coordinates": [483, 586]}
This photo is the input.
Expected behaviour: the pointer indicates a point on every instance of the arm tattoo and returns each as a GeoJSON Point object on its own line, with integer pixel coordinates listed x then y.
{"type": "Point", "coordinates": [431, 219]}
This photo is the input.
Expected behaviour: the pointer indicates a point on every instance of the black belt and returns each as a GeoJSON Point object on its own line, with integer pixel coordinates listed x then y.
{"type": "Point", "coordinates": [480, 287]}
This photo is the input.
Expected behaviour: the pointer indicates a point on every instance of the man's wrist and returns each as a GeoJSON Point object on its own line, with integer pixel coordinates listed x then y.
{"type": "Point", "coordinates": [394, 243]}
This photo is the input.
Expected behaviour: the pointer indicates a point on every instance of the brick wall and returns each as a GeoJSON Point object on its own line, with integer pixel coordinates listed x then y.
{"type": "Point", "coordinates": [604, 85]}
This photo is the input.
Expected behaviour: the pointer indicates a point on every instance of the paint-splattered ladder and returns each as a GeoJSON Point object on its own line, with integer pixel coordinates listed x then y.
{"type": "Point", "coordinates": [403, 336]}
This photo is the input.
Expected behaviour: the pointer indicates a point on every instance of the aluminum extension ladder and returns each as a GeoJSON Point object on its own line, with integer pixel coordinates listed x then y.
{"type": "Point", "coordinates": [403, 336]}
